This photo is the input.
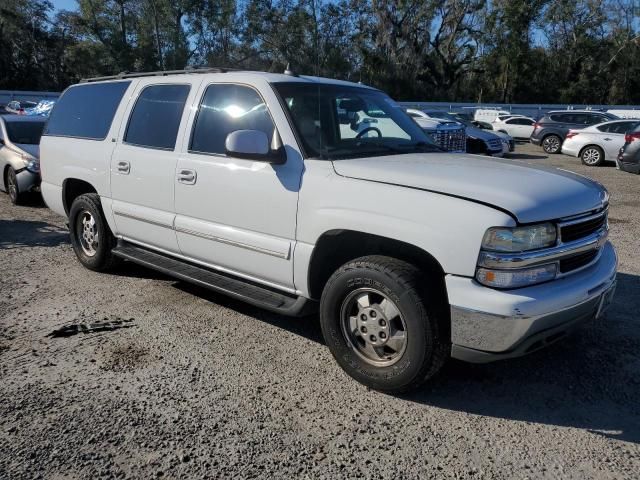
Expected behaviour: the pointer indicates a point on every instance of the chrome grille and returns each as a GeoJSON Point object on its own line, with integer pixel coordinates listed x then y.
{"type": "Point", "coordinates": [582, 227]}
{"type": "Point", "coordinates": [451, 139]}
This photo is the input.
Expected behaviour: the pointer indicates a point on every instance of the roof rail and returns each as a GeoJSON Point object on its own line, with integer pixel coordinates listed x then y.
{"type": "Point", "coordinates": [161, 73]}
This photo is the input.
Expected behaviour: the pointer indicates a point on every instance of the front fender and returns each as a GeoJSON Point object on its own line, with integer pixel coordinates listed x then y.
{"type": "Point", "coordinates": [448, 228]}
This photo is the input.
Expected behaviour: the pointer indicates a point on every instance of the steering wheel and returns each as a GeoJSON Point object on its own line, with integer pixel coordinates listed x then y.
{"type": "Point", "coordinates": [369, 129]}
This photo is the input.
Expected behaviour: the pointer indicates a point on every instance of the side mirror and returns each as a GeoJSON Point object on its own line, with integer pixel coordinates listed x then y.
{"type": "Point", "coordinates": [255, 145]}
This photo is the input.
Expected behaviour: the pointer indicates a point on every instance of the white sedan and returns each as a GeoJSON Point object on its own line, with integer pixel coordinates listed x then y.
{"type": "Point", "coordinates": [516, 126]}
{"type": "Point", "coordinates": [598, 143]}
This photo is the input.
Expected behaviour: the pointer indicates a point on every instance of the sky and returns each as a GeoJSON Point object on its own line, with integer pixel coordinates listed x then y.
{"type": "Point", "coordinates": [64, 4]}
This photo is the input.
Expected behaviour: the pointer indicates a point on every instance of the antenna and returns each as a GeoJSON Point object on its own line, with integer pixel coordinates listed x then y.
{"type": "Point", "coordinates": [288, 71]}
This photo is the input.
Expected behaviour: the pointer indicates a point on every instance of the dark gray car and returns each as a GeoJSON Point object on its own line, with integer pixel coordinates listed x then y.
{"type": "Point", "coordinates": [551, 130]}
{"type": "Point", "coordinates": [629, 156]}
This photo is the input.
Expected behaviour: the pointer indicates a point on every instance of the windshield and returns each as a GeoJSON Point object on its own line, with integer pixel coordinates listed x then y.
{"type": "Point", "coordinates": [337, 122]}
{"type": "Point", "coordinates": [25, 132]}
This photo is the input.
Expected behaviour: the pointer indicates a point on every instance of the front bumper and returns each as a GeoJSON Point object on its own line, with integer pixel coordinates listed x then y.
{"type": "Point", "coordinates": [489, 324]}
{"type": "Point", "coordinates": [535, 140]}
{"type": "Point", "coordinates": [28, 181]}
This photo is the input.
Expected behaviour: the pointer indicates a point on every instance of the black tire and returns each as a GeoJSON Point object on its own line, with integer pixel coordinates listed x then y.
{"type": "Point", "coordinates": [87, 207]}
{"type": "Point", "coordinates": [592, 156]}
{"type": "Point", "coordinates": [552, 144]}
{"type": "Point", "coordinates": [427, 343]}
{"type": "Point", "coordinates": [11, 183]}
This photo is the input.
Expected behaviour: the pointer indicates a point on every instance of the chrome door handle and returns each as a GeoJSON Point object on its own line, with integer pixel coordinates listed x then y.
{"type": "Point", "coordinates": [124, 168]}
{"type": "Point", "coordinates": [188, 177]}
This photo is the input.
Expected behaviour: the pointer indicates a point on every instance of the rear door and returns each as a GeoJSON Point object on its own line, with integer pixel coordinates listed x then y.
{"type": "Point", "coordinates": [612, 136]}
{"type": "Point", "coordinates": [144, 161]}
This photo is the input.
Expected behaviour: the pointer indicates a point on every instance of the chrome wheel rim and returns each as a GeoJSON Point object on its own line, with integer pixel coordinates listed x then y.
{"type": "Point", "coordinates": [373, 327]}
{"type": "Point", "coordinates": [12, 186]}
{"type": "Point", "coordinates": [591, 156]}
{"type": "Point", "coordinates": [87, 232]}
{"type": "Point", "coordinates": [551, 144]}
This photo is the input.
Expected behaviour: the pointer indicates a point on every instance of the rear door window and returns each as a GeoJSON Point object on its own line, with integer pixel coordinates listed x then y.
{"type": "Point", "coordinates": [86, 110]}
{"type": "Point", "coordinates": [155, 119]}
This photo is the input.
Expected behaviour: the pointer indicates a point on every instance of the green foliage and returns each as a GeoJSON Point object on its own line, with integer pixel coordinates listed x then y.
{"type": "Point", "coordinates": [569, 51]}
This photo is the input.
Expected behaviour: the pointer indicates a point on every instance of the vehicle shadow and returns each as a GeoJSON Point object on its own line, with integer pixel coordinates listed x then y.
{"type": "Point", "coordinates": [524, 156]}
{"type": "Point", "coordinates": [588, 381]}
{"type": "Point", "coordinates": [307, 327]}
{"type": "Point", "coordinates": [27, 233]}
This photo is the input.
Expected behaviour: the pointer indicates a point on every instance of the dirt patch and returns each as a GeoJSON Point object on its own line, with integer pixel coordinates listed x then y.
{"type": "Point", "coordinates": [126, 357]}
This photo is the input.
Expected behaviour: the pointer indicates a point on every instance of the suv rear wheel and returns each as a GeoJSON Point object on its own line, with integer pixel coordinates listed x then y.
{"type": "Point", "coordinates": [380, 324]}
{"type": "Point", "coordinates": [91, 236]}
{"type": "Point", "coordinates": [552, 144]}
{"type": "Point", "coordinates": [592, 156]}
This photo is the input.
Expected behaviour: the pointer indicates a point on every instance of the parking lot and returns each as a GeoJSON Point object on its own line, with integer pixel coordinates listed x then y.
{"type": "Point", "coordinates": [133, 374]}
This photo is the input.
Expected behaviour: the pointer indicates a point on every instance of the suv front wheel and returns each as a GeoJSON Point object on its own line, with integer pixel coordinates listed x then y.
{"type": "Point", "coordinates": [380, 325]}
{"type": "Point", "coordinates": [91, 236]}
{"type": "Point", "coordinates": [552, 144]}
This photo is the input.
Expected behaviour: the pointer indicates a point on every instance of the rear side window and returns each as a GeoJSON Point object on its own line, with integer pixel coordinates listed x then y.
{"type": "Point", "coordinates": [86, 111]}
{"type": "Point", "coordinates": [224, 109]}
{"type": "Point", "coordinates": [155, 118]}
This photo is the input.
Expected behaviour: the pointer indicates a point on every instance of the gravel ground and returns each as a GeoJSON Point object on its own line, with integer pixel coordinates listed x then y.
{"type": "Point", "coordinates": [133, 374]}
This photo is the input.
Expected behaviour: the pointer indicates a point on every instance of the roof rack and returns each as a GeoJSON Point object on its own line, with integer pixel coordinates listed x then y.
{"type": "Point", "coordinates": [161, 73]}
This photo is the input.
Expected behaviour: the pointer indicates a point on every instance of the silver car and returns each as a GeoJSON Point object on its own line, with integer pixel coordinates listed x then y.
{"type": "Point", "coordinates": [598, 143]}
{"type": "Point", "coordinates": [20, 155]}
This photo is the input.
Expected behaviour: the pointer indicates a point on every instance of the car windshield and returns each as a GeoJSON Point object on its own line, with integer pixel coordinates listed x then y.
{"type": "Point", "coordinates": [339, 122]}
{"type": "Point", "coordinates": [25, 132]}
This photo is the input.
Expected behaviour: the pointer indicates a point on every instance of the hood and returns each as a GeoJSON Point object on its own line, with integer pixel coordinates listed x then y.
{"type": "Point", "coordinates": [481, 134]}
{"type": "Point", "coordinates": [33, 150]}
{"type": "Point", "coordinates": [530, 193]}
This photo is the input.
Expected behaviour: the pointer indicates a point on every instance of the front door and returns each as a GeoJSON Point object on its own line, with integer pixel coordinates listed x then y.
{"type": "Point", "coordinates": [234, 214]}
{"type": "Point", "coordinates": [143, 166]}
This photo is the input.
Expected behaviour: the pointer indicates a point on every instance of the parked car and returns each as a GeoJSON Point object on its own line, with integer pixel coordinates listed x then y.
{"type": "Point", "coordinates": [242, 182]}
{"type": "Point", "coordinates": [449, 135]}
{"type": "Point", "coordinates": [42, 109]}
{"type": "Point", "coordinates": [552, 128]}
{"type": "Point", "coordinates": [19, 155]}
{"type": "Point", "coordinates": [488, 114]}
{"type": "Point", "coordinates": [19, 107]}
{"type": "Point", "coordinates": [477, 141]}
{"type": "Point", "coordinates": [515, 125]}
{"type": "Point", "coordinates": [487, 126]}
{"type": "Point", "coordinates": [598, 143]}
{"type": "Point", "coordinates": [629, 156]}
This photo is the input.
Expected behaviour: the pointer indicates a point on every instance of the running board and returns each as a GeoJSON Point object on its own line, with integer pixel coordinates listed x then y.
{"type": "Point", "coordinates": [232, 286]}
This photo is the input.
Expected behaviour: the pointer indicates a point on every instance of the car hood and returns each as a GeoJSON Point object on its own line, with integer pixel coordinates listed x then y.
{"type": "Point", "coordinates": [530, 193]}
{"type": "Point", "coordinates": [480, 134]}
{"type": "Point", "coordinates": [33, 150]}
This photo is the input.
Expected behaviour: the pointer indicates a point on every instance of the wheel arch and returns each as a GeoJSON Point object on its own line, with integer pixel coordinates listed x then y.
{"type": "Point", "coordinates": [334, 248]}
{"type": "Point", "coordinates": [72, 188]}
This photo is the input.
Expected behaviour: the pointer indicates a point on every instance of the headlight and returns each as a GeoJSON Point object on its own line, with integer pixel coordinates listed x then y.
{"type": "Point", "coordinates": [519, 239]}
{"type": "Point", "coordinates": [33, 166]}
{"type": "Point", "coordinates": [516, 278]}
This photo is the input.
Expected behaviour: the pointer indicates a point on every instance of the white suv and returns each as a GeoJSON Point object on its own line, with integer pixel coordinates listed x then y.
{"type": "Point", "coordinates": [245, 183]}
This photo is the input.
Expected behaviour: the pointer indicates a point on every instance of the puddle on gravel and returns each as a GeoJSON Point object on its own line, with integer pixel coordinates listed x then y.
{"type": "Point", "coordinates": [75, 329]}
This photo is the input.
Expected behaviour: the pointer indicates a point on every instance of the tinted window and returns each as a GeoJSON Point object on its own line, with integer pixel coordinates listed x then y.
{"type": "Point", "coordinates": [562, 117]}
{"type": "Point", "coordinates": [155, 119]}
{"type": "Point", "coordinates": [25, 132]}
{"type": "Point", "coordinates": [225, 109]}
{"type": "Point", "coordinates": [86, 111]}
